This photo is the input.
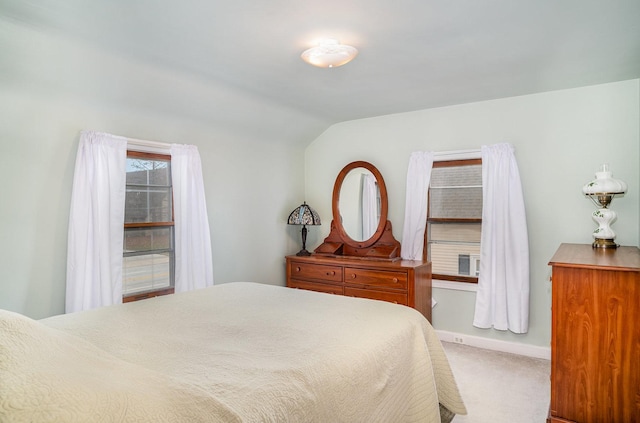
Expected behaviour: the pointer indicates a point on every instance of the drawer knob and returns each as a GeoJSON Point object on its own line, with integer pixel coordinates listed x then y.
{"type": "Point", "coordinates": [395, 280]}
{"type": "Point", "coordinates": [332, 273]}
{"type": "Point", "coordinates": [297, 268]}
{"type": "Point", "coordinates": [353, 276]}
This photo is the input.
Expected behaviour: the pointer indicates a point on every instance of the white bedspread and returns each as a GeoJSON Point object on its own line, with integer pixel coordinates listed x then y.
{"type": "Point", "coordinates": [233, 352]}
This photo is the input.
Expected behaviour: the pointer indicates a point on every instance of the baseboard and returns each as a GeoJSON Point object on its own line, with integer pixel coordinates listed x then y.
{"type": "Point", "coordinates": [495, 344]}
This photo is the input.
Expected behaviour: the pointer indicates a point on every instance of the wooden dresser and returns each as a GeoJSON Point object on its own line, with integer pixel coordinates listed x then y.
{"type": "Point", "coordinates": [595, 335]}
{"type": "Point", "coordinates": [403, 282]}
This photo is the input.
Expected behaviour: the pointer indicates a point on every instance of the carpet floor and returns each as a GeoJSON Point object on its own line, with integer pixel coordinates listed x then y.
{"type": "Point", "coordinates": [500, 387]}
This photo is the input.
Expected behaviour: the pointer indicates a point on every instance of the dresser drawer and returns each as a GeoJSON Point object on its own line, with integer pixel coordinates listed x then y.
{"type": "Point", "coordinates": [318, 287]}
{"type": "Point", "coordinates": [403, 282]}
{"type": "Point", "coordinates": [377, 278]}
{"type": "Point", "coordinates": [391, 297]}
{"type": "Point", "coordinates": [319, 272]}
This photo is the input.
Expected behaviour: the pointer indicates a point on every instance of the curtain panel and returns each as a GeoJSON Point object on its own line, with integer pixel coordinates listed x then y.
{"type": "Point", "coordinates": [502, 299]}
{"type": "Point", "coordinates": [96, 230]}
{"type": "Point", "coordinates": [415, 212]}
{"type": "Point", "coordinates": [194, 264]}
{"type": "Point", "coordinates": [369, 206]}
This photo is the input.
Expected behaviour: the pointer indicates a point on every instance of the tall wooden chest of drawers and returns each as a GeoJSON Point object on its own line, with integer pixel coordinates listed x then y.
{"type": "Point", "coordinates": [404, 282]}
{"type": "Point", "coordinates": [595, 335]}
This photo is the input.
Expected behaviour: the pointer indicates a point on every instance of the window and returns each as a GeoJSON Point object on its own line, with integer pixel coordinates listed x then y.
{"type": "Point", "coordinates": [454, 220]}
{"type": "Point", "coordinates": [149, 263]}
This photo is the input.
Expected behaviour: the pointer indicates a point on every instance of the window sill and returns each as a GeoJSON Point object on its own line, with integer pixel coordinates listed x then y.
{"type": "Point", "coordinates": [147, 294]}
{"type": "Point", "coordinates": [455, 286]}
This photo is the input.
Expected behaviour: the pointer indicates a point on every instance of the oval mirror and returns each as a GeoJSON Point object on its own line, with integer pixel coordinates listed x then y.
{"type": "Point", "coordinates": [360, 204]}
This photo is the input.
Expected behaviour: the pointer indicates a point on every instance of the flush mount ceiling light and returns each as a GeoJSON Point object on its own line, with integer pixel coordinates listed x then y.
{"type": "Point", "coordinates": [329, 54]}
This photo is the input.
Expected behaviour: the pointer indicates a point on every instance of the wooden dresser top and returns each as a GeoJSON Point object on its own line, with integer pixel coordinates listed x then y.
{"type": "Point", "coordinates": [359, 262]}
{"type": "Point", "coordinates": [584, 255]}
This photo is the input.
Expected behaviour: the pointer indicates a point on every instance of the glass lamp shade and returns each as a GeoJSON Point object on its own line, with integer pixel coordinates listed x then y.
{"type": "Point", "coordinates": [304, 215]}
{"type": "Point", "coordinates": [602, 191]}
{"type": "Point", "coordinates": [605, 184]}
{"type": "Point", "coordinates": [329, 54]}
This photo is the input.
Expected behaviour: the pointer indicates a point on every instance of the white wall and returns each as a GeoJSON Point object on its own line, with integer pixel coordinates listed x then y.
{"type": "Point", "coordinates": [52, 88]}
{"type": "Point", "coordinates": [560, 138]}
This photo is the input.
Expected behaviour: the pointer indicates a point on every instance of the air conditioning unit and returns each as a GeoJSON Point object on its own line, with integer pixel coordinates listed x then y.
{"type": "Point", "coordinates": [469, 264]}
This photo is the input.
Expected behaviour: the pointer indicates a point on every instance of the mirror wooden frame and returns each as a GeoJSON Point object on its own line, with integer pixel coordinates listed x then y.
{"type": "Point", "coordinates": [381, 246]}
{"type": "Point", "coordinates": [337, 216]}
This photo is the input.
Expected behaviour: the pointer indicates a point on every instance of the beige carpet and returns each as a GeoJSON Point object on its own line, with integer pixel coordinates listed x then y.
{"type": "Point", "coordinates": [500, 387]}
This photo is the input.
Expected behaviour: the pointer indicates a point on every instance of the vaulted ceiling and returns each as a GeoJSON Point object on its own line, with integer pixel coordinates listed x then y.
{"type": "Point", "coordinates": [413, 54]}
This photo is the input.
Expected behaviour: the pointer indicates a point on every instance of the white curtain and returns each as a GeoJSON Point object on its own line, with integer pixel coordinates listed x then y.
{"type": "Point", "coordinates": [369, 206]}
{"type": "Point", "coordinates": [194, 265]}
{"type": "Point", "coordinates": [502, 300]}
{"type": "Point", "coordinates": [415, 212]}
{"type": "Point", "coordinates": [96, 223]}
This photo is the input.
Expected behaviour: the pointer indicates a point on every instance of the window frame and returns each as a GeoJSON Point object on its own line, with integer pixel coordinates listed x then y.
{"type": "Point", "coordinates": [425, 255]}
{"type": "Point", "coordinates": [148, 225]}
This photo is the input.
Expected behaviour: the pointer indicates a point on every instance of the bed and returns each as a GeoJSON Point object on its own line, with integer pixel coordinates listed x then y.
{"type": "Point", "coordinates": [236, 352]}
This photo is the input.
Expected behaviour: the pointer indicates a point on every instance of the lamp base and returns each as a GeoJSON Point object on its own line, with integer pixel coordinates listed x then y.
{"type": "Point", "coordinates": [604, 243]}
{"type": "Point", "coordinates": [303, 252]}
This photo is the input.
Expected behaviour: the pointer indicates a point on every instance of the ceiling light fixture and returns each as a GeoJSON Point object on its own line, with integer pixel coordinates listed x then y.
{"type": "Point", "coordinates": [329, 54]}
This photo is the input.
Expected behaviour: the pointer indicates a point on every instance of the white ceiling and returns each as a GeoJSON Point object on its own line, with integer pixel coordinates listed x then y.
{"type": "Point", "coordinates": [413, 54]}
